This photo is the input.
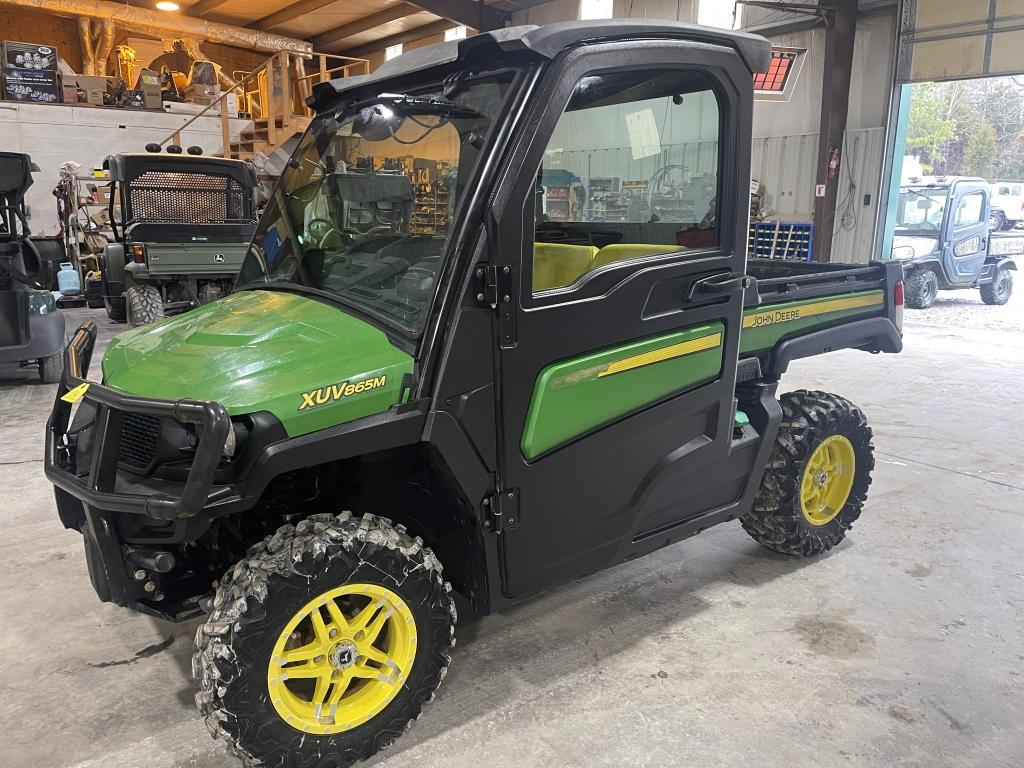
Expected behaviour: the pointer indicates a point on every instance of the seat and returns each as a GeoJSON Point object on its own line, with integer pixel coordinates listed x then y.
{"type": "Point", "coordinates": [559, 264]}
{"type": "Point", "coordinates": [627, 251]}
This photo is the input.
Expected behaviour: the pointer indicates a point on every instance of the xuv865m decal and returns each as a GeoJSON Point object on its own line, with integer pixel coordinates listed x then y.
{"type": "Point", "coordinates": [575, 396]}
{"type": "Point", "coordinates": [335, 392]}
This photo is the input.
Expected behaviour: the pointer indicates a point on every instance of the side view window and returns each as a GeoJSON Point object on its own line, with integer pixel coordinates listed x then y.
{"type": "Point", "coordinates": [969, 210]}
{"type": "Point", "coordinates": [630, 172]}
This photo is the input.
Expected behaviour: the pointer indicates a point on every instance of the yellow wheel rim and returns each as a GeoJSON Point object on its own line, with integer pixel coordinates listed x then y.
{"type": "Point", "coordinates": [342, 658]}
{"type": "Point", "coordinates": [827, 480]}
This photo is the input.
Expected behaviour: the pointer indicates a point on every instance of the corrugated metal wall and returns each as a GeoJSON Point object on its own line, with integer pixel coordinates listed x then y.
{"type": "Point", "coordinates": [854, 224]}
{"type": "Point", "coordinates": [785, 165]}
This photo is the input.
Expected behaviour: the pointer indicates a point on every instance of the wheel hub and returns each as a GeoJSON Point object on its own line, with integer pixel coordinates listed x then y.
{"type": "Point", "coordinates": [343, 655]}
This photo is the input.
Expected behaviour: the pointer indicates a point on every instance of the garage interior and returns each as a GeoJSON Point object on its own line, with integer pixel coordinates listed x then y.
{"type": "Point", "coordinates": [902, 646]}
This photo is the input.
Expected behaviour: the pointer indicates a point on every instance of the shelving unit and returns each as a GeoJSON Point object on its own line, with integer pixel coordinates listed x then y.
{"type": "Point", "coordinates": [79, 221]}
{"type": "Point", "coordinates": [788, 240]}
{"type": "Point", "coordinates": [430, 216]}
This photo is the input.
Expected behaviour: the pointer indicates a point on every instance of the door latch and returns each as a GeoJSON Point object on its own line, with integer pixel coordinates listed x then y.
{"type": "Point", "coordinates": [502, 511]}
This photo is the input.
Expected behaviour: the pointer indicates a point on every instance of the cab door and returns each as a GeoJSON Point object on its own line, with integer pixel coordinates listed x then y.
{"type": "Point", "coordinates": [619, 229]}
{"type": "Point", "coordinates": [966, 241]}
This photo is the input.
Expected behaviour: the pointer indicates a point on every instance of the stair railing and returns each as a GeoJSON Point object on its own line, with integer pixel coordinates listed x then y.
{"type": "Point", "coordinates": [277, 89]}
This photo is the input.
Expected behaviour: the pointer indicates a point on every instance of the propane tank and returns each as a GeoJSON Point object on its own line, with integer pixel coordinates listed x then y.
{"type": "Point", "coordinates": [68, 281]}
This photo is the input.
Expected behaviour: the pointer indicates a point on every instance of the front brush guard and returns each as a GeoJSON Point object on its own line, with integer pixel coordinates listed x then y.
{"type": "Point", "coordinates": [97, 488]}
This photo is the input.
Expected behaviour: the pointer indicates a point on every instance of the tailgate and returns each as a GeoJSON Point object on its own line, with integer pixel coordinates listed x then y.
{"type": "Point", "coordinates": [195, 259]}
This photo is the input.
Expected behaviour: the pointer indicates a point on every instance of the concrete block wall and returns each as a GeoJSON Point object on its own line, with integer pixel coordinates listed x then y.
{"type": "Point", "coordinates": [53, 134]}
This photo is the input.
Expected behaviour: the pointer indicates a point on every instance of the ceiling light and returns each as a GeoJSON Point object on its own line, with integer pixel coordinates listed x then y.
{"type": "Point", "coordinates": [167, 5]}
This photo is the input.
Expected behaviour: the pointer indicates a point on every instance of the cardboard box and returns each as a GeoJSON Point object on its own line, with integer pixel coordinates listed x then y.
{"type": "Point", "coordinates": [70, 93]}
{"type": "Point", "coordinates": [230, 104]}
{"type": "Point", "coordinates": [202, 94]}
{"type": "Point", "coordinates": [98, 193]}
{"type": "Point", "coordinates": [28, 56]}
{"type": "Point", "coordinates": [94, 87]}
{"type": "Point", "coordinates": [149, 84]}
{"type": "Point", "coordinates": [31, 85]}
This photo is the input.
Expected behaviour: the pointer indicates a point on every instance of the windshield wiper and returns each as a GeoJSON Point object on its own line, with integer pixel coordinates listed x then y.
{"type": "Point", "coordinates": [428, 105]}
{"type": "Point", "coordinates": [419, 105]}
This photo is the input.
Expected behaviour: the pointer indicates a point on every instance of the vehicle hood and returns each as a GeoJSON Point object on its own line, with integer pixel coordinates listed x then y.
{"type": "Point", "coordinates": [921, 245]}
{"type": "Point", "coordinates": [307, 362]}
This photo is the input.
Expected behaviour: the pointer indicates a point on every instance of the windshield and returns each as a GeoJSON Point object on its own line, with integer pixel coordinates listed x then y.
{"type": "Point", "coordinates": [363, 210]}
{"type": "Point", "coordinates": [921, 209]}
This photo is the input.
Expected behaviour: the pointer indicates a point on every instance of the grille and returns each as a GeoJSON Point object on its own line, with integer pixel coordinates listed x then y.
{"type": "Point", "coordinates": [191, 198]}
{"type": "Point", "coordinates": [139, 435]}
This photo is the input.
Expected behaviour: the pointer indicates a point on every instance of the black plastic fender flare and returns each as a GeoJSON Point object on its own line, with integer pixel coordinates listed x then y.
{"type": "Point", "coordinates": [875, 334]}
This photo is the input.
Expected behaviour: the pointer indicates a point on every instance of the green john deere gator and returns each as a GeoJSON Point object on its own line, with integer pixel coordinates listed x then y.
{"type": "Point", "coordinates": [498, 317]}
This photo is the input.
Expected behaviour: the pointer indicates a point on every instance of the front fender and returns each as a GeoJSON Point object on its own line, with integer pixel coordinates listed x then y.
{"type": "Point", "coordinates": [931, 262]}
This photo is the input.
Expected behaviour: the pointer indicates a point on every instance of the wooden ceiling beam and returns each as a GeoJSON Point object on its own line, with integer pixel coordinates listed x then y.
{"type": "Point", "coordinates": [203, 7]}
{"type": "Point", "coordinates": [467, 12]}
{"type": "Point", "coordinates": [364, 24]}
{"type": "Point", "coordinates": [408, 36]}
{"type": "Point", "coordinates": [289, 12]}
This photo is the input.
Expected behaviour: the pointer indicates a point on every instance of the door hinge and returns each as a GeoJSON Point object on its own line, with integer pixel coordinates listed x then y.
{"type": "Point", "coordinates": [495, 288]}
{"type": "Point", "coordinates": [487, 285]}
{"type": "Point", "coordinates": [501, 511]}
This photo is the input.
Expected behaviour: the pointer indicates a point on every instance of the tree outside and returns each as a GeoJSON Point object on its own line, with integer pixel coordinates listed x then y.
{"type": "Point", "coordinates": [969, 127]}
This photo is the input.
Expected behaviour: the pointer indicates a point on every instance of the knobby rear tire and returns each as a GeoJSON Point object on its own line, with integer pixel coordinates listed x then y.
{"type": "Point", "coordinates": [144, 305]}
{"type": "Point", "coordinates": [776, 519]}
{"type": "Point", "coordinates": [999, 290]}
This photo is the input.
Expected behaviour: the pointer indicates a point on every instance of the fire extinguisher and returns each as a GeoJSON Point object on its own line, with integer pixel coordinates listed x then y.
{"type": "Point", "coordinates": [833, 164]}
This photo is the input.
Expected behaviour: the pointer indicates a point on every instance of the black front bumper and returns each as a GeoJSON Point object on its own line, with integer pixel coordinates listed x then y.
{"type": "Point", "coordinates": [96, 487]}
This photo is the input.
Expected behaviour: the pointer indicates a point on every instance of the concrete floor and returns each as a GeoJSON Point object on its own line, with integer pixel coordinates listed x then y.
{"type": "Point", "coordinates": [904, 647]}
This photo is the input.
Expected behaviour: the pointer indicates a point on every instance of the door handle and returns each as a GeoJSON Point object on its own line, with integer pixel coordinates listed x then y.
{"type": "Point", "coordinates": [722, 285]}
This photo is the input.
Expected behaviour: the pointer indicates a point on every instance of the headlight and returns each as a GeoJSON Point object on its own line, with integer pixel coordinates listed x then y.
{"type": "Point", "coordinates": [235, 440]}
{"type": "Point", "coordinates": [902, 252]}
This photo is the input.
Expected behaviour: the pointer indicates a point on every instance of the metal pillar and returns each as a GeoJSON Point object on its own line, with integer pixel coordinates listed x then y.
{"type": "Point", "coordinates": [891, 174]}
{"type": "Point", "coordinates": [835, 98]}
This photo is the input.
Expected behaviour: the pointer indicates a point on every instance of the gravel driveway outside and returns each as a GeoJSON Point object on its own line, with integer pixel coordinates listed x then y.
{"type": "Point", "coordinates": [964, 309]}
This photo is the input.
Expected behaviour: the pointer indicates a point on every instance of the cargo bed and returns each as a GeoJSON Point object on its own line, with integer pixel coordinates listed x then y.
{"type": "Point", "coordinates": [801, 309]}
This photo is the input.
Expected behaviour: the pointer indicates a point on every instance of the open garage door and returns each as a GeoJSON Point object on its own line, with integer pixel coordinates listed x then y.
{"type": "Point", "coordinates": [959, 39]}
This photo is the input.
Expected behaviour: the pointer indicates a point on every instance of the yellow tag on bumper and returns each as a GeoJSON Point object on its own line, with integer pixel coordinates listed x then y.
{"type": "Point", "coordinates": [76, 394]}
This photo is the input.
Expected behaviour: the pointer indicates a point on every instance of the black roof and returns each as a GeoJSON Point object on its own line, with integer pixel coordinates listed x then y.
{"type": "Point", "coordinates": [550, 40]}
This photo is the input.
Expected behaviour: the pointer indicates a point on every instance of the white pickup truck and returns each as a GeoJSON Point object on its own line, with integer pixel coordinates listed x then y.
{"type": "Point", "coordinates": [1006, 205]}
